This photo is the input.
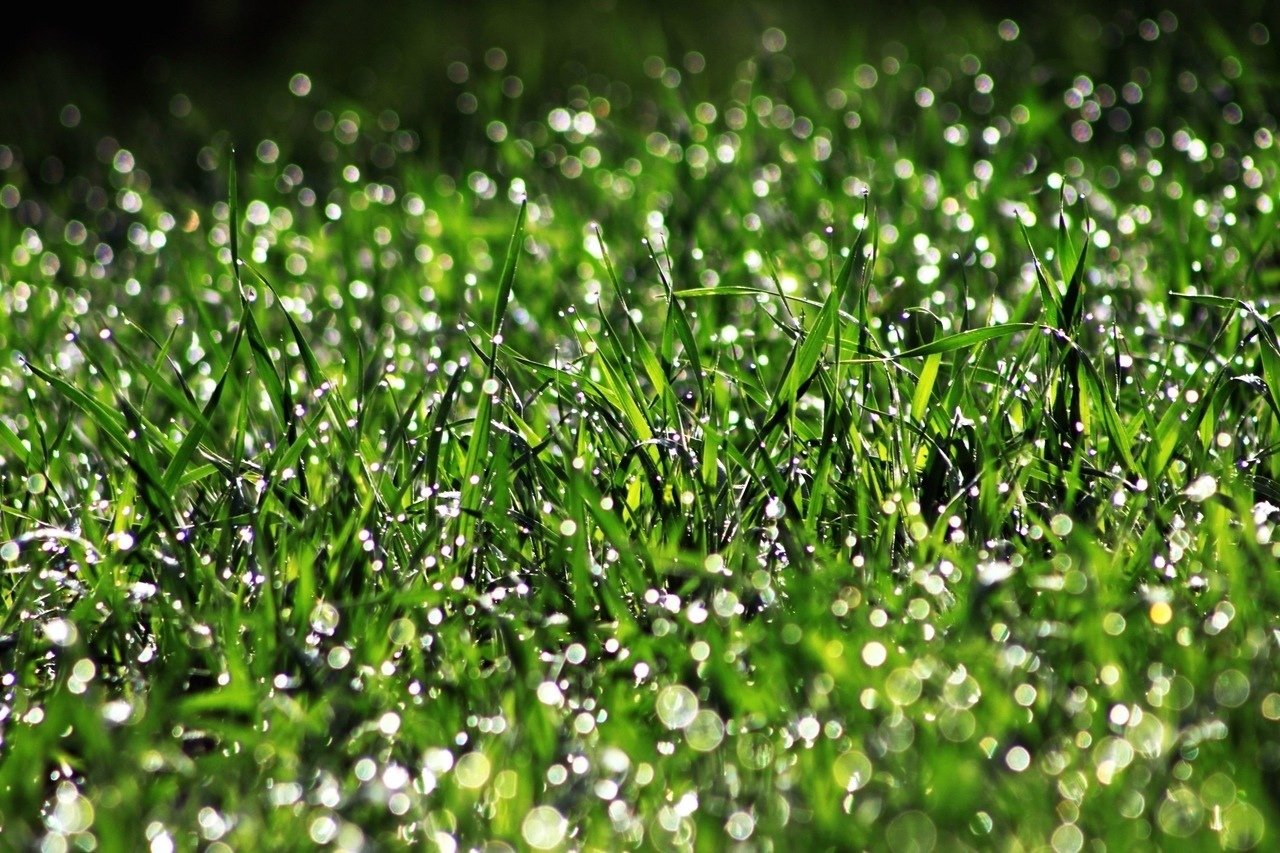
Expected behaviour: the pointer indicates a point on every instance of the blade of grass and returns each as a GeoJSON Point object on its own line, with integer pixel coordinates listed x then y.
{"type": "Point", "coordinates": [176, 469]}
{"type": "Point", "coordinates": [1049, 295]}
{"type": "Point", "coordinates": [473, 486]}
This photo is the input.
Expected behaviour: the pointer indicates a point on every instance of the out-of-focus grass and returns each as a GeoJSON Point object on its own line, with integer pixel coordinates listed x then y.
{"type": "Point", "coordinates": [882, 461]}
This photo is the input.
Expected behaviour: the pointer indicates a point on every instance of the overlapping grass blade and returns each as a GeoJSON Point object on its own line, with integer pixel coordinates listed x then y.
{"type": "Point", "coordinates": [473, 486]}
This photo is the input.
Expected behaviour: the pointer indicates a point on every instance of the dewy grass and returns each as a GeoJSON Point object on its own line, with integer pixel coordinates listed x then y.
{"type": "Point", "coordinates": [901, 474]}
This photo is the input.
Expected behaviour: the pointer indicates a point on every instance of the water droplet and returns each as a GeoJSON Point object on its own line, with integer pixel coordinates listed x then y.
{"type": "Point", "coordinates": [852, 770]}
{"type": "Point", "coordinates": [1202, 489]}
{"type": "Point", "coordinates": [473, 770]}
{"type": "Point", "coordinates": [911, 831]}
{"type": "Point", "coordinates": [401, 632]}
{"type": "Point", "coordinates": [755, 750]}
{"type": "Point", "coordinates": [323, 829]}
{"type": "Point", "coordinates": [117, 712]}
{"type": "Point", "coordinates": [549, 694]}
{"type": "Point", "coordinates": [439, 761]}
{"type": "Point", "coordinates": [324, 618]}
{"type": "Point", "coordinates": [1017, 759]}
{"type": "Point", "coordinates": [994, 571]}
{"type": "Point", "coordinates": [61, 632]}
{"type": "Point", "coordinates": [1231, 688]}
{"type": "Point", "coordinates": [874, 653]}
{"type": "Point", "coordinates": [1181, 814]}
{"type": "Point", "coordinates": [543, 828]}
{"type": "Point", "coordinates": [1067, 839]}
{"type": "Point", "coordinates": [1242, 827]}
{"type": "Point", "coordinates": [739, 826]}
{"type": "Point", "coordinates": [676, 706]}
{"type": "Point", "coordinates": [902, 686]}
{"type": "Point", "coordinates": [706, 731]}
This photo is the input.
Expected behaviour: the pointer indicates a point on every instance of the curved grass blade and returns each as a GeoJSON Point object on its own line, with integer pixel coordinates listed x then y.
{"type": "Point", "coordinates": [960, 340]}
{"type": "Point", "coordinates": [11, 440]}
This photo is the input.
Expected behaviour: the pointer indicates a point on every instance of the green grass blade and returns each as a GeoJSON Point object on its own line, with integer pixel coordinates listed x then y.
{"type": "Point", "coordinates": [959, 341]}
{"type": "Point", "coordinates": [473, 485]}
{"type": "Point", "coordinates": [1073, 299]}
{"type": "Point", "coordinates": [11, 440]}
{"type": "Point", "coordinates": [103, 417]}
{"type": "Point", "coordinates": [1049, 294]}
{"type": "Point", "coordinates": [177, 466]}
{"type": "Point", "coordinates": [507, 281]}
{"type": "Point", "coordinates": [924, 386]}
{"type": "Point", "coordinates": [1102, 402]}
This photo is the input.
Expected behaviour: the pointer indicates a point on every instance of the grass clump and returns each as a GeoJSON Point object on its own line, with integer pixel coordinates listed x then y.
{"type": "Point", "coordinates": [889, 465]}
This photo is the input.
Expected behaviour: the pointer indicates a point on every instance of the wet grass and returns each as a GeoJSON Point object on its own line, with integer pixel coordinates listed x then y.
{"type": "Point", "coordinates": [882, 462]}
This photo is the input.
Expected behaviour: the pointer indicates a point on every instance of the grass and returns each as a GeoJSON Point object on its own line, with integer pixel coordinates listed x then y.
{"type": "Point", "coordinates": [879, 462]}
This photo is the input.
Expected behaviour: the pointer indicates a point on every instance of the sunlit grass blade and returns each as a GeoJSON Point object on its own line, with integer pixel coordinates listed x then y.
{"type": "Point", "coordinates": [473, 486]}
{"type": "Point", "coordinates": [658, 379]}
{"type": "Point", "coordinates": [10, 439]}
{"type": "Point", "coordinates": [1093, 382]}
{"type": "Point", "coordinates": [677, 324]}
{"type": "Point", "coordinates": [1049, 294]}
{"type": "Point", "coordinates": [924, 386]}
{"type": "Point", "coordinates": [106, 419]}
{"type": "Point", "coordinates": [1074, 298]}
{"type": "Point", "coordinates": [177, 467]}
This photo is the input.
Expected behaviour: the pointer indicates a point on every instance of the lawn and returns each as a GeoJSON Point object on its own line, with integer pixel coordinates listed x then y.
{"type": "Point", "coordinates": [873, 448]}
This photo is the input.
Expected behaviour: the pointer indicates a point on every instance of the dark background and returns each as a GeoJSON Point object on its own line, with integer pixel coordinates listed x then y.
{"type": "Point", "coordinates": [133, 53]}
{"type": "Point", "coordinates": [123, 64]}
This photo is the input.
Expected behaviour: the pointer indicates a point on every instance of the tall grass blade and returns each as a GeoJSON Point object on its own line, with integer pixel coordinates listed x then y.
{"type": "Point", "coordinates": [473, 486]}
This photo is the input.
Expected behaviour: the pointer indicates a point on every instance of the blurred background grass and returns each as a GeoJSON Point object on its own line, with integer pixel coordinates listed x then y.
{"type": "Point", "coordinates": [128, 69]}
